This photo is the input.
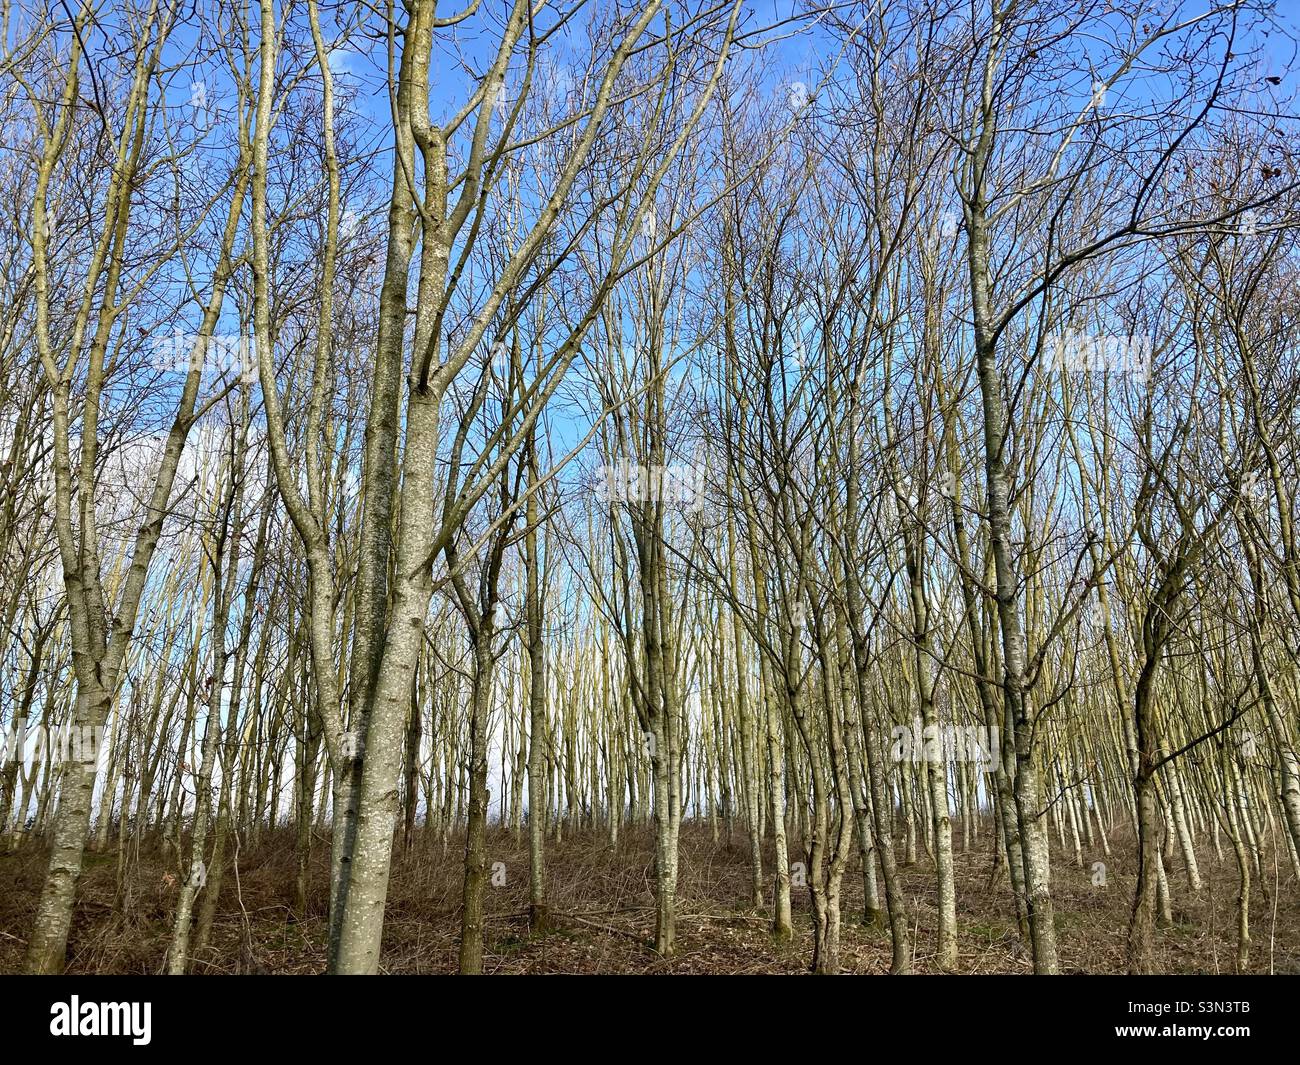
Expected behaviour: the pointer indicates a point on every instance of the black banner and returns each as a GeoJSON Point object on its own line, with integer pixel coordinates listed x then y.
{"type": "Point", "coordinates": [267, 1015]}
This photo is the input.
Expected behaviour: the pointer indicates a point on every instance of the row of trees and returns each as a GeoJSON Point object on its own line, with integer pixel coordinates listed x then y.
{"type": "Point", "coordinates": [413, 417]}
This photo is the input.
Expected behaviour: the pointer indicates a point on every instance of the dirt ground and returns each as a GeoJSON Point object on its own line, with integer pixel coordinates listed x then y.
{"type": "Point", "coordinates": [602, 904]}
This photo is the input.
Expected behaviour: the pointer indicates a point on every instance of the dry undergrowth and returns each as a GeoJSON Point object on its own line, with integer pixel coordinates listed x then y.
{"type": "Point", "coordinates": [602, 906]}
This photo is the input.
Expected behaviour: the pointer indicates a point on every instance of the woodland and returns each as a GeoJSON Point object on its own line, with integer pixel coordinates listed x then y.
{"type": "Point", "coordinates": [649, 486]}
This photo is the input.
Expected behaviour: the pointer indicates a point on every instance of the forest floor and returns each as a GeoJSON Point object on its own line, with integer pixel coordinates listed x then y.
{"type": "Point", "coordinates": [603, 912]}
